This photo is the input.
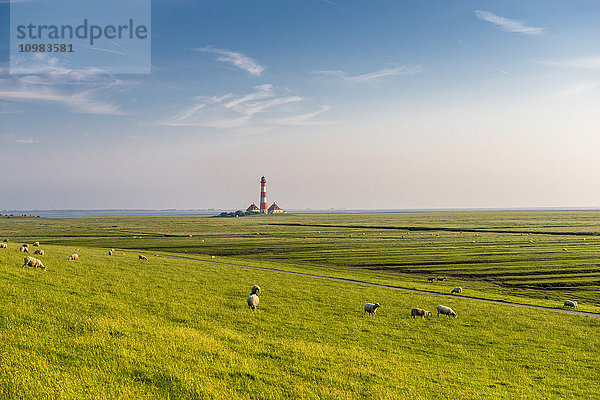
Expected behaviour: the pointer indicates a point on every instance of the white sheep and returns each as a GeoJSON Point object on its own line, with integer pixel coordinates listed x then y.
{"type": "Point", "coordinates": [24, 249]}
{"type": "Point", "coordinates": [142, 257]}
{"type": "Point", "coordinates": [445, 311]}
{"type": "Point", "coordinates": [33, 262]}
{"type": "Point", "coordinates": [74, 257]}
{"type": "Point", "coordinates": [420, 312]}
{"type": "Point", "coordinates": [212, 257]}
{"type": "Point", "coordinates": [255, 289]}
{"type": "Point", "coordinates": [457, 290]}
{"type": "Point", "coordinates": [110, 253]}
{"type": "Point", "coordinates": [3, 246]}
{"type": "Point", "coordinates": [565, 249]}
{"type": "Point", "coordinates": [252, 301]}
{"type": "Point", "coordinates": [39, 251]}
{"type": "Point", "coordinates": [371, 309]}
{"type": "Point", "coordinates": [570, 303]}
{"type": "Point", "coordinates": [36, 244]}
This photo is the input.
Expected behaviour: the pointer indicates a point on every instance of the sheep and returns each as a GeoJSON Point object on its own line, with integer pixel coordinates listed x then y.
{"type": "Point", "coordinates": [457, 290]}
{"type": "Point", "coordinates": [110, 253]}
{"type": "Point", "coordinates": [5, 240]}
{"type": "Point", "coordinates": [36, 244]}
{"type": "Point", "coordinates": [371, 309]}
{"type": "Point", "coordinates": [33, 262]}
{"type": "Point", "coordinates": [441, 278]}
{"type": "Point", "coordinates": [212, 257]}
{"type": "Point", "coordinates": [3, 246]}
{"type": "Point", "coordinates": [40, 252]}
{"type": "Point", "coordinates": [255, 289]}
{"type": "Point", "coordinates": [445, 311]}
{"type": "Point", "coordinates": [252, 301]}
{"type": "Point", "coordinates": [419, 311]}
{"type": "Point", "coordinates": [142, 257]}
{"type": "Point", "coordinates": [570, 303]}
{"type": "Point", "coordinates": [24, 249]}
{"type": "Point", "coordinates": [74, 257]}
{"type": "Point", "coordinates": [564, 249]}
{"type": "Point", "coordinates": [431, 279]}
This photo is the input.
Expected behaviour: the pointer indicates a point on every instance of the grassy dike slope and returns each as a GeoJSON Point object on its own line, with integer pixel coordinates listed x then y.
{"type": "Point", "coordinates": [116, 327]}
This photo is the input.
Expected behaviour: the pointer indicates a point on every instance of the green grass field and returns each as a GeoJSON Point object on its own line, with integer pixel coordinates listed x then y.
{"type": "Point", "coordinates": [118, 327]}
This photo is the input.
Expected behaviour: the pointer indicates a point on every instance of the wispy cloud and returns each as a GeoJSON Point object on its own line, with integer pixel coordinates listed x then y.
{"type": "Point", "coordinates": [304, 119]}
{"type": "Point", "coordinates": [584, 63]}
{"type": "Point", "coordinates": [255, 112]}
{"type": "Point", "coordinates": [236, 59]}
{"type": "Point", "coordinates": [374, 76]}
{"type": "Point", "coordinates": [25, 141]}
{"type": "Point", "coordinates": [577, 89]}
{"type": "Point", "coordinates": [86, 96]}
{"type": "Point", "coordinates": [509, 25]}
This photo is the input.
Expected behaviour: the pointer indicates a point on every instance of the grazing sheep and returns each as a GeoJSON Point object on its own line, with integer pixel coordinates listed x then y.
{"type": "Point", "coordinates": [457, 290]}
{"type": "Point", "coordinates": [142, 257]}
{"type": "Point", "coordinates": [431, 279]}
{"type": "Point", "coordinates": [36, 244]}
{"type": "Point", "coordinates": [5, 240]}
{"type": "Point", "coordinates": [40, 252]}
{"type": "Point", "coordinates": [252, 301]}
{"type": "Point", "coordinates": [564, 249]}
{"type": "Point", "coordinates": [212, 257]}
{"type": "Point", "coordinates": [3, 246]}
{"type": "Point", "coordinates": [74, 257]}
{"type": "Point", "coordinates": [441, 278]}
{"type": "Point", "coordinates": [445, 311]}
{"type": "Point", "coordinates": [33, 262]}
{"type": "Point", "coordinates": [24, 249]}
{"type": "Point", "coordinates": [420, 312]}
{"type": "Point", "coordinates": [255, 289]}
{"type": "Point", "coordinates": [371, 309]}
{"type": "Point", "coordinates": [570, 303]}
{"type": "Point", "coordinates": [110, 253]}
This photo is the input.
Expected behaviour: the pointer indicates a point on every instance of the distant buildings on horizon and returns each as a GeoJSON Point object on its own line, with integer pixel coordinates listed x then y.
{"type": "Point", "coordinates": [274, 209]}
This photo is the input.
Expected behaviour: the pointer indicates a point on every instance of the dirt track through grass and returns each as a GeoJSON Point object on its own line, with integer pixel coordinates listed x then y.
{"type": "Point", "coordinates": [589, 314]}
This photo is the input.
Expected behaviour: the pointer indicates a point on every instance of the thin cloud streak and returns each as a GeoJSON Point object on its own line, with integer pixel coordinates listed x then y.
{"type": "Point", "coordinates": [508, 25]}
{"type": "Point", "coordinates": [65, 91]}
{"type": "Point", "coordinates": [241, 113]}
{"type": "Point", "coordinates": [373, 76]}
{"type": "Point", "coordinates": [236, 59]}
{"type": "Point", "coordinates": [584, 63]}
{"type": "Point", "coordinates": [303, 119]}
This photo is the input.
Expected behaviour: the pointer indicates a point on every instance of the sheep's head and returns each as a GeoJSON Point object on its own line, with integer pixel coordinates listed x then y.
{"type": "Point", "coordinates": [453, 314]}
{"type": "Point", "coordinates": [377, 305]}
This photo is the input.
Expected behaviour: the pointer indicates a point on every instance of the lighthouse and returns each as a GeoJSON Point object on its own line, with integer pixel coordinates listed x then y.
{"type": "Point", "coordinates": [263, 195]}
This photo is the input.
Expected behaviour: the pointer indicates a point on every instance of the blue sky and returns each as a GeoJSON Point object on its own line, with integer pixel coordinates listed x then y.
{"type": "Point", "coordinates": [341, 104]}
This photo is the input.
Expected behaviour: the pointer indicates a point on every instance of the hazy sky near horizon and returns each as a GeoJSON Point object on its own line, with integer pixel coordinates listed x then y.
{"type": "Point", "coordinates": [340, 104]}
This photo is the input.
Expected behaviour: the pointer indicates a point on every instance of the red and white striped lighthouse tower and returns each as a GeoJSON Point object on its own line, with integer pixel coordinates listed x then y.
{"type": "Point", "coordinates": [263, 195]}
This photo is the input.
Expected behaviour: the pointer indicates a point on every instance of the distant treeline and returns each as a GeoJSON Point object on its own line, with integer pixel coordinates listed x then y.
{"type": "Point", "coordinates": [238, 213]}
